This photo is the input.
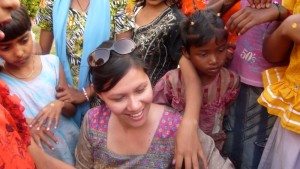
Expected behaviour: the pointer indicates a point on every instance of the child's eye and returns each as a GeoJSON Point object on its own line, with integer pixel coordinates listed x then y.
{"type": "Point", "coordinates": [4, 48]}
{"type": "Point", "coordinates": [24, 40]}
{"type": "Point", "coordinates": [203, 54]}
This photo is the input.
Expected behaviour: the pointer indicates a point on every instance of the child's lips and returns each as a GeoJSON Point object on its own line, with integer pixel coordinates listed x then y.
{"type": "Point", "coordinates": [214, 69]}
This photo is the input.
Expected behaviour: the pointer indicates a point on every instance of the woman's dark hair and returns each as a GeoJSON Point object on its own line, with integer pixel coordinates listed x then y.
{"type": "Point", "coordinates": [105, 77]}
{"type": "Point", "coordinates": [18, 26]}
{"type": "Point", "coordinates": [167, 2]}
{"type": "Point", "coordinates": [201, 27]}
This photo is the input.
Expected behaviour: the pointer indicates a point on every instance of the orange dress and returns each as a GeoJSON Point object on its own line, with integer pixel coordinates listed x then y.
{"type": "Point", "coordinates": [14, 133]}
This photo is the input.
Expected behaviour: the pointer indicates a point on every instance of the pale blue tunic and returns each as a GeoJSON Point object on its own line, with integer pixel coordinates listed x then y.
{"type": "Point", "coordinates": [39, 92]}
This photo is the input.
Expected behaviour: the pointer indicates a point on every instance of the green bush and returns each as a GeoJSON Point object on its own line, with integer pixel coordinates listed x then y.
{"type": "Point", "coordinates": [32, 6]}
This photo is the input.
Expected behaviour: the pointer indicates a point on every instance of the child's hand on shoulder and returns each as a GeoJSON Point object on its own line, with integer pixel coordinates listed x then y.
{"type": "Point", "coordinates": [188, 149]}
{"type": "Point", "coordinates": [48, 117]}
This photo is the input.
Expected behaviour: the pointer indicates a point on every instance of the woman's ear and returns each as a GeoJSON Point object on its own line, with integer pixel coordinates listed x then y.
{"type": "Point", "coordinates": [185, 52]}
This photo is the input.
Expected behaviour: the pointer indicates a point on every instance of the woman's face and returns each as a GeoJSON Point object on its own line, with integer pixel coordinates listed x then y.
{"type": "Point", "coordinates": [129, 100]}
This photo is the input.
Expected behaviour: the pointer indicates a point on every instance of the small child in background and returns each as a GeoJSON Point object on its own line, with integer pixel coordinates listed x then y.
{"type": "Point", "coordinates": [38, 80]}
{"type": "Point", "coordinates": [205, 45]}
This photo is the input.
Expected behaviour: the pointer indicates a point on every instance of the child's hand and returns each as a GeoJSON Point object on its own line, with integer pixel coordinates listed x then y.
{"type": "Point", "coordinates": [63, 94]}
{"type": "Point", "coordinates": [44, 136]}
{"type": "Point", "coordinates": [188, 149]}
{"type": "Point", "coordinates": [246, 18]}
{"type": "Point", "coordinates": [48, 116]}
{"type": "Point", "coordinates": [229, 54]}
{"type": "Point", "coordinates": [70, 95]}
{"type": "Point", "coordinates": [260, 3]}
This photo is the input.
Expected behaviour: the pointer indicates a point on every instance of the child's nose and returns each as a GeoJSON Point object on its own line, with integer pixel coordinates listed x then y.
{"type": "Point", "coordinates": [19, 51]}
{"type": "Point", "coordinates": [213, 59]}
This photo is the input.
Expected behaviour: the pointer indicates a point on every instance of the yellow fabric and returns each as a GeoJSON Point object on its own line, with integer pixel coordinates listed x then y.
{"type": "Point", "coordinates": [282, 85]}
{"type": "Point", "coordinates": [292, 5]}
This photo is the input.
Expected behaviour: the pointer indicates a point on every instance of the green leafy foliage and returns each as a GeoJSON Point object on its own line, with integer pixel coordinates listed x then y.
{"type": "Point", "coordinates": [32, 6]}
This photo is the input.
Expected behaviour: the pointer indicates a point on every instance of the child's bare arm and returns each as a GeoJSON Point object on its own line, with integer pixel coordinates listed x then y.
{"type": "Point", "coordinates": [68, 108]}
{"type": "Point", "coordinates": [188, 147]}
{"type": "Point", "coordinates": [282, 40]}
{"type": "Point", "coordinates": [46, 40]}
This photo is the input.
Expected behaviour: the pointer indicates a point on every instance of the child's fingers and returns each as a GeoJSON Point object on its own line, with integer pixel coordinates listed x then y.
{"type": "Point", "coordinates": [37, 140]}
{"type": "Point", "coordinates": [59, 88]}
{"type": "Point", "coordinates": [66, 98]}
{"type": "Point", "coordinates": [233, 21]}
{"type": "Point", "coordinates": [51, 136]}
{"type": "Point", "coordinates": [195, 161]}
{"type": "Point", "coordinates": [40, 123]}
{"type": "Point", "coordinates": [187, 162]}
{"type": "Point", "coordinates": [61, 94]}
{"type": "Point", "coordinates": [46, 141]}
{"type": "Point", "coordinates": [56, 120]}
{"type": "Point", "coordinates": [48, 124]}
{"type": "Point", "coordinates": [241, 25]}
{"type": "Point", "coordinates": [202, 159]}
{"type": "Point", "coordinates": [178, 161]}
{"type": "Point", "coordinates": [36, 120]}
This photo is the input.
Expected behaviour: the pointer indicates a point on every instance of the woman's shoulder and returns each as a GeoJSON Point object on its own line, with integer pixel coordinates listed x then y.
{"type": "Point", "coordinates": [169, 123]}
{"type": "Point", "coordinates": [97, 117]}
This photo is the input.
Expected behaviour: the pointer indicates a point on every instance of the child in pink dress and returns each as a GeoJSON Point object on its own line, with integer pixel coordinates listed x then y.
{"type": "Point", "coordinates": [205, 44]}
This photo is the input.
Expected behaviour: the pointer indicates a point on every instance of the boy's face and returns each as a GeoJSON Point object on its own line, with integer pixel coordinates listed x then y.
{"type": "Point", "coordinates": [17, 52]}
{"type": "Point", "coordinates": [209, 58]}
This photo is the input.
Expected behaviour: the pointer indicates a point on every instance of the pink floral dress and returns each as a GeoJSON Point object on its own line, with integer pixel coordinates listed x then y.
{"type": "Point", "coordinates": [216, 97]}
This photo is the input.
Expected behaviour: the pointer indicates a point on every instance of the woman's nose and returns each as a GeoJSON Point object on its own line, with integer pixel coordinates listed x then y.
{"type": "Point", "coordinates": [134, 104]}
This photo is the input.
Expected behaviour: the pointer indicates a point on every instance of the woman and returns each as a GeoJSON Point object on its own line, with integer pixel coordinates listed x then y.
{"type": "Point", "coordinates": [128, 130]}
{"type": "Point", "coordinates": [74, 24]}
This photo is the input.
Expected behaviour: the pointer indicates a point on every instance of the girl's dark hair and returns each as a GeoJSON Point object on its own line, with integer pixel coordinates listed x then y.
{"type": "Point", "coordinates": [18, 26]}
{"type": "Point", "coordinates": [105, 77]}
{"type": "Point", "coordinates": [167, 2]}
{"type": "Point", "coordinates": [201, 27]}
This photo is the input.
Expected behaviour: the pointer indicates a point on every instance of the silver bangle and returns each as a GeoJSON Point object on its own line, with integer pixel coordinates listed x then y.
{"type": "Point", "coordinates": [85, 94]}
